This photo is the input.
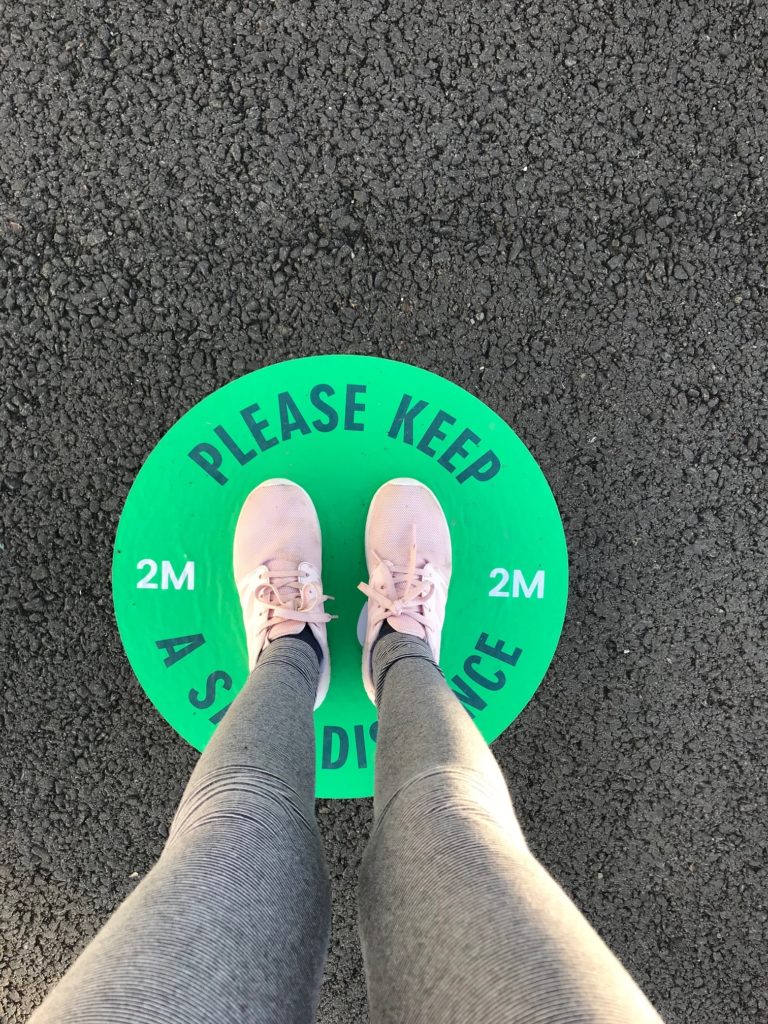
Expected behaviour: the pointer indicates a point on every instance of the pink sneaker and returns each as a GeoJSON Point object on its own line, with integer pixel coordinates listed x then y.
{"type": "Point", "coordinates": [277, 560]}
{"type": "Point", "coordinates": [408, 551]}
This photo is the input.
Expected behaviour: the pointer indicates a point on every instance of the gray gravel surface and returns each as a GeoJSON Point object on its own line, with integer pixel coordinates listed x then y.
{"type": "Point", "coordinates": [560, 206]}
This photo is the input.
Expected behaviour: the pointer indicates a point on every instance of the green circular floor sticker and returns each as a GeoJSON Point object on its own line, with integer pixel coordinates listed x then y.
{"type": "Point", "coordinates": [340, 426]}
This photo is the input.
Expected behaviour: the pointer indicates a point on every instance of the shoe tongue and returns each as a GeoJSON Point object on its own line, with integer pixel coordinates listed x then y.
{"type": "Point", "coordinates": [405, 624]}
{"type": "Point", "coordinates": [284, 627]}
{"type": "Point", "coordinates": [285, 565]}
{"type": "Point", "coordinates": [287, 590]}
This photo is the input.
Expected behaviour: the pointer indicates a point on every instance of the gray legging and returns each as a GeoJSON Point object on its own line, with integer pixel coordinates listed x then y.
{"type": "Point", "coordinates": [459, 922]}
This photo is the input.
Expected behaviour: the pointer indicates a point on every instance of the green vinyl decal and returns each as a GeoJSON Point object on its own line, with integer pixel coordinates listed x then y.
{"type": "Point", "coordinates": [340, 426]}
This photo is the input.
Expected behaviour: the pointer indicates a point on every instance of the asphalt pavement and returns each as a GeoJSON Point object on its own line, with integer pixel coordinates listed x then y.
{"type": "Point", "coordinates": [559, 206]}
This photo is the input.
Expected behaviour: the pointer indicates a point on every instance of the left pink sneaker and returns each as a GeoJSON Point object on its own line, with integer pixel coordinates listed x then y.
{"type": "Point", "coordinates": [277, 561]}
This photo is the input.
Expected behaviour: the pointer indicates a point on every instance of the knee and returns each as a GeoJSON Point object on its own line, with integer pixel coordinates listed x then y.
{"type": "Point", "coordinates": [449, 792]}
{"type": "Point", "coordinates": [245, 799]}
{"type": "Point", "coordinates": [445, 809]}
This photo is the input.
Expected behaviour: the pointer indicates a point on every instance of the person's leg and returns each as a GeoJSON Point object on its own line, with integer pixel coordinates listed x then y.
{"type": "Point", "coordinates": [459, 921]}
{"type": "Point", "coordinates": [232, 923]}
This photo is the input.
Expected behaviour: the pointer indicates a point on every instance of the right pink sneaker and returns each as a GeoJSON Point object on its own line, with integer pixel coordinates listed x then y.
{"type": "Point", "coordinates": [408, 551]}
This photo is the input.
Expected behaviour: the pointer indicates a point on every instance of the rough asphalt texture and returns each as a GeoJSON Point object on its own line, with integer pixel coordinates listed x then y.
{"type": "Point", "coordinates": [559, 206]}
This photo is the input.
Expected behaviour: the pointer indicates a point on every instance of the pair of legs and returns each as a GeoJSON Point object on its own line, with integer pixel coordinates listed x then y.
{"type": "Point", "coordinates": [459, 922]}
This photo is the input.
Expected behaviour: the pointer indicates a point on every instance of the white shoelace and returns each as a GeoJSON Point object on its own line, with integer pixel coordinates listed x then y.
{"type": "Point", "coordinates": [287, 599]}
{"type": "Point", "coordinates": [406, 593]}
